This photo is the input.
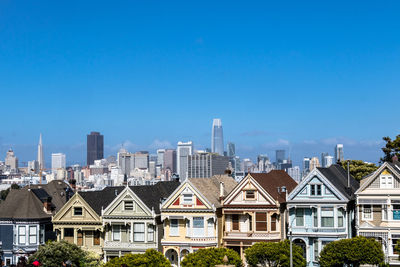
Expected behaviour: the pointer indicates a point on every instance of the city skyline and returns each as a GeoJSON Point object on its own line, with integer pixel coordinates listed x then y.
{"type": "Point", "coordinates": [305, 77]}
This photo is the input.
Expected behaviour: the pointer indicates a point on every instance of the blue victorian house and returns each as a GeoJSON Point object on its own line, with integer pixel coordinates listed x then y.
{"type": "Point", "coordinates": [321, 210]}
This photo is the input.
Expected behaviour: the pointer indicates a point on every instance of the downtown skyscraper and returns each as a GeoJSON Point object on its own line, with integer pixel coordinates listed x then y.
{"type": "Point", "coordinates": [95, 147]}
{"type": "Point", "coordinates": [217, 137]}
{"type": "Point", "coordinates": [40, 157]}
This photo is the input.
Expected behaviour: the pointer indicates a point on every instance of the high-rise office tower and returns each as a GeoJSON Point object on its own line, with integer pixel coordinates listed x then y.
{"type": "Point", "coordinates": [57, 161]}
{"type": "Point", "coordinates": [323, 155]}
{"type": "Point", "coordinates": [183, 151]}
{"type": "Point", "coordinates": [294, 172]}
{"type": "Point", "coordinates": [339, 153]}
{"type": "Point", "coordinates": [170, 160]}
{"type": "Point", "coordinates": [11, 161]}
{"type": "Point", "coordinates": [40, 157]}
{"type": "Point", "coordinates": [205, 165]}
{"type": "Point", "coordinates": [160, 157]}
{"type": "Point", "coordinates": [95, 147]}
{"type": "Point", "coordinates": [306, 164]}
{"type": "Point", "coordinates": [262, 161]}
{"type": "Point", "coordinates": [328, 161]}
{"type": "Point", "coordinates": [217, 137]}
{"type": "Point", "coordinates": [231, 149]}
{"type": "Point", "coordinates": [280, 156]}
{"type": "Point", "coordinates": [314, 163]}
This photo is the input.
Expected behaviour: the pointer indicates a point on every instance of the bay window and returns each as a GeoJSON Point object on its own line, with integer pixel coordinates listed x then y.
{"type": "Point", "coordinates": [32, 234]}
{"type": "Point", "coordinates": [198, 226]}
{"type": "Point", "coordinates": [367, 212]}
{"type": "Point", "coordinates": [340, 216]}
{"type": "Point", "coordinates": [150, 233]}
{"type": "Point", "coordinates": [21, 235]}
{"type": "Point", "coordinates": [138, 232]}
{"type": "Point", "coordinates": [327, 218]}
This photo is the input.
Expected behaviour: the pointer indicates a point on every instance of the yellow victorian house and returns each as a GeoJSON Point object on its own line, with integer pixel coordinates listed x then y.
{"type": "Point", "coordinates": [191, 216]}
{"type": "Point", "coordinates": [79, 220]}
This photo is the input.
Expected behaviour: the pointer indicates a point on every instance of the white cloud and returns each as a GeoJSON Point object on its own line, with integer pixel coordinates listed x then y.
{"type": "Point", "coordinates": [158, 144]}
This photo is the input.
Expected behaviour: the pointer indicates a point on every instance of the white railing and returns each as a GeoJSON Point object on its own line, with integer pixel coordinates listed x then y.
{"type": "Point", "coordinates": [203, 239]}
{"type": "Point", "coordinates": [255, 235]}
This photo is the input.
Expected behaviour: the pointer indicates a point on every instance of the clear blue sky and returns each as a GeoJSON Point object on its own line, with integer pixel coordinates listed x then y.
{"type": "Point", "coordinates": [280, 74]}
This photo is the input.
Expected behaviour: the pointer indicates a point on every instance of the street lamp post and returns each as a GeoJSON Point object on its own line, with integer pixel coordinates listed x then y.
{"type": "Point", "coordinates": [290, 238]}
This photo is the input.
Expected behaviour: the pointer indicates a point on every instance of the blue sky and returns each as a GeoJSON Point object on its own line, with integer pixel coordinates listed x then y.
{"type": "Point", "coordinates": [294, 75]}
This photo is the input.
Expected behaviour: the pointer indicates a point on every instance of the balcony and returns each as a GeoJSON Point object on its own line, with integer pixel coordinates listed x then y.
{"type": "Point", "coordinates": [127, 245]}
{"type": "Point", "coordinates": [203, 239]}
{"type": "Point", "coordinates": [251, 235]}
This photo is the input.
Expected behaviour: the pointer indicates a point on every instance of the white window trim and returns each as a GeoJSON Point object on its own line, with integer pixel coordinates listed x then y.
{"type": "Point", "coordinates": [133, 205]}
{"type": "Point", "coordinates": [112, 232]}
{"type": "Point", "coordinates": [372, 213]}
{"type": "Point", "coordinates": [187, 202]}
{"type": "Point", "coordinates": [73, 211]}
{"type": "Point", "coordinates": [385, 185]}
{"type": "Point", "coordinates": [304, 219]}
{"type": "Point", "coordinates": [316, 184]}
{"type": "Point", "coordinates": [387, 212]}
{"type": "Point", "coordinates": [334, 217]}
{"type": "Point", "coordinates": [170, 227]}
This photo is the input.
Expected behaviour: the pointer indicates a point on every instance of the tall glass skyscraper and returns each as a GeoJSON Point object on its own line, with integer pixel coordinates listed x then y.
{"type": "Point", "coordinates": [217, 137]}
{"type": "Point", "coordinates": [95, 147]}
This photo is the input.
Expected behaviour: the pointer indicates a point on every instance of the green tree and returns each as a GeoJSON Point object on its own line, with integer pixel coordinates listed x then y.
{"type": "Point", "coordinates": [355, 251]}
{"type": "Point", "coordinates": [151, 258]}
{"type": "Point", "coordinates": [4, 193]}
{"type": "Point", "coordinates": [358, 168]}
{"type": "Point", "coordinates": [391, 149]}
{"type": "Point", "coordinates": [209, 257]}
{"type": "Point", "coordinates": [55, 253]}
{"type": "Point", "coordinates": [274, 254]}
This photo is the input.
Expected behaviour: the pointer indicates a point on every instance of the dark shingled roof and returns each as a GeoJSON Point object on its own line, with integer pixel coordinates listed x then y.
{"type": "Point", "coordinates": [149, 194]}
{"type": "Point", "coordinates": [274, 179]}
{"type": "Point", "coordinates": [27, 202]}
{"type": "Point", "coordinates": [338, 177]}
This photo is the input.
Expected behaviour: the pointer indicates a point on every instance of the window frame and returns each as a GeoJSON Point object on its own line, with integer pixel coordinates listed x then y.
{"type": "Point", "coordinates": [139, 233]}
{"type": "Point", "coordinates": [260, 222]}
{"type": "Point", "coordinates": [176, 228]}
{"type": "Point", "coordinates": [233, 223]}
{"type": "Point", "coordinates": [198, 231]}
{"type": "Point", "coordinates": [332, 217]}
{"type": "Point", "coordinates": [33, 235]}
{"type": "Point", "coordinates": [150, 233]}
{"type": "Point", "coordinates": [185, 198]}
{"type": "Point", "coordinates": [302, 216]}
{"type": "Point", "coordinates": [363, 212]}
{"type": "Point", "coordinates": [316, 190]}
{"type": "Point", "coordinates": [274, 222]}
{"type": "Point", "coordinates": [96, 236]}
{"type": "Point", "coordinates": [75, 209]}
{"type": "Point", "coordinates": [341, 213]}
{"type": "Point", "coordinates": [125, 206]}
{"type": "Point", "coordinates": [115, 232]}
{"type": "Point", "coordinates": [20, 234]}
{"type": "Point", "coordinates": [246, 197]}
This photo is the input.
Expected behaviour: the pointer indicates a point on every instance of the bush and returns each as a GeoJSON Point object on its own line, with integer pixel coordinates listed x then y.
{"type": "Point", "coordinates": [352, 252]}
{"type": "Point", "coordinates": [274, 254]}
{"type": "Point", "coordinates": [55, 253]}
{"type": "Point", "coordinates": [151, 258]}
{"type": "Point", "coordinates": [209, 257]}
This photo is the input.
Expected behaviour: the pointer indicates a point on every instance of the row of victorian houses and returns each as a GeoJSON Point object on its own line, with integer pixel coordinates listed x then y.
{"type": "Point", "coordinates": [180, 218]}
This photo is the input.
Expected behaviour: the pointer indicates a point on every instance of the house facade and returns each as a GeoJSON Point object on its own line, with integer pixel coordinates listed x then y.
{"type": "Point", "coordinates": [321, 210]}
{"type": "Point", "coordinates": [254, 210]}
{"type": "Point", "coordinates": [79, 220]}
{"type": "Point", "coordinates": [378, 208]}
{"type": "Point", "coordinates": [192, 216]}
{"type": "Point", "coordinates": [132, 221]}
{"type": "Point", "coordinates": [25, 219]}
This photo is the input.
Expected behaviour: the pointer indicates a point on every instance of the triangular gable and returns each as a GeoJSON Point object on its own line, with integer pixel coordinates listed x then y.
{"type": "Point", "coordinates": [313, 177]}
{"type": "Point", "coordinates": [176, 200]}
{"type": "Point", "coordinates": [236, 196]}
{"type": "Point", "coordinates": [375, 175]}
{"type": "Point", "coordinates": [116, 207]}
{"type": "Point", "coordinates": [65, 214]}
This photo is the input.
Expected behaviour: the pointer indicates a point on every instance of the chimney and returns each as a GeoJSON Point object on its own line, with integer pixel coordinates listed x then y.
{"type": "Point", "coordinates": [221, 191]}
{"type": "Point", "coordinates": [395, 159]}
{"type": "Point", "coordinates": [47, 205]}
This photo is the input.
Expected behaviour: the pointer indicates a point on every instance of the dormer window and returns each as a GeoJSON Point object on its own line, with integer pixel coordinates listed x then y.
{"type": "Point", "coordinates": [78, 211]}
{"type": "Point", "coordinates": [250, 194]}
{"type": "Point", "coordinates": [315, 190]}
{"type": "Point", "coordinates": [386, 181]}
{"type": "Point", "coordinates": [128, 205]}
{"type": "Point", "coordinates": [187, 198]}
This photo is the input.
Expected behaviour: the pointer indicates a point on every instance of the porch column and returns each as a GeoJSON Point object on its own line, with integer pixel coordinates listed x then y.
{"type": "Point", "coordinates": [131, 231]}
{"type": "Point", "coordinates": [62, 233]}
{"type": "Point", "coordinates": [145, 232]}
{"type": "Point", "coordinates": [75, 236]}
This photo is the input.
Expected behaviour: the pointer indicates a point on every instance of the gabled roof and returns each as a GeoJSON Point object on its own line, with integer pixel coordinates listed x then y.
{"type": "Point", "coordinates": [339, 178]}
{"type": "Point", "coordinates": [149, 194]}
{"type": "Point", "coordinates": [274, 179]}
{"type": "Point", "coordinates": [368, 179]}
{"type": "Point", "coordinates": [209, 187]}
{"type": "Point", "coordinates": [27, 202]}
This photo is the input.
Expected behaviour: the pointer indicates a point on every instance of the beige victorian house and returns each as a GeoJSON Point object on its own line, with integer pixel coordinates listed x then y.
{"type": "Point", "coordinates": [378, 208]}
{"type": "Point", "coordinates": [79, 220]}
{"type": "Point", "coordinates": [192, 216]}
